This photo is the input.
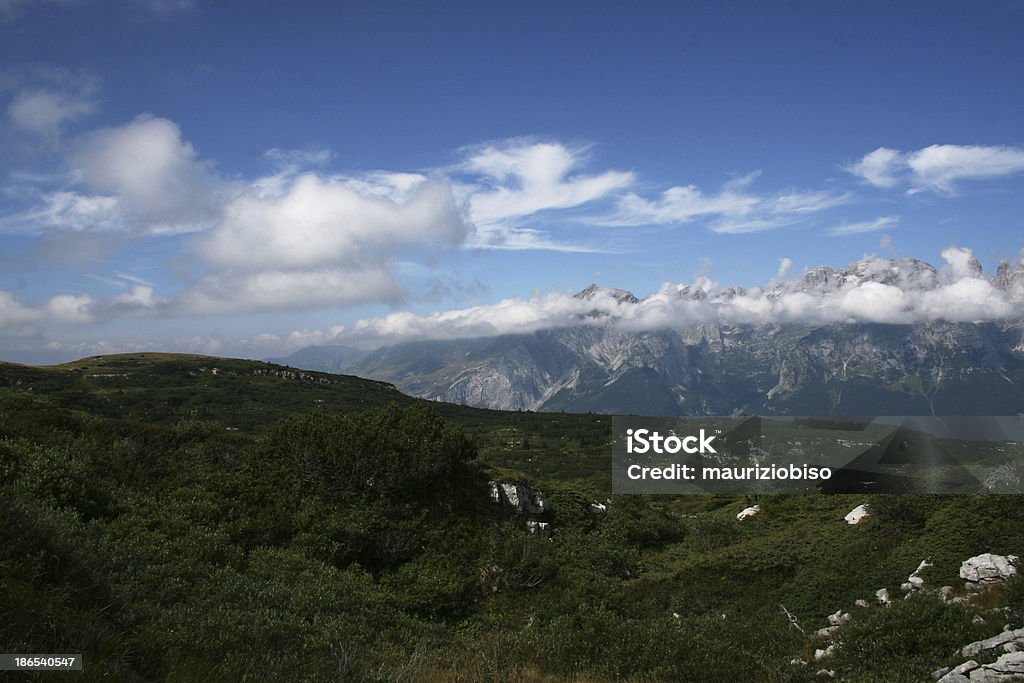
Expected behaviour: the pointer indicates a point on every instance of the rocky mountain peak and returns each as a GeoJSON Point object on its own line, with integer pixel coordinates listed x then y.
{"type": "Point", "coordinates": [620, 295]}
{"type": "Point", "coordinates": [1007, 277]}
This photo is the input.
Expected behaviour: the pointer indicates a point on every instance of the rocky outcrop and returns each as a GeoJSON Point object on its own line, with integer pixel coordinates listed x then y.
{"type": "Point", "coordinates": [518, 498]}
{"type": "Point", "coordinates": [1008, 667]}
{"type": "Point", "coordinates": [982, 570]}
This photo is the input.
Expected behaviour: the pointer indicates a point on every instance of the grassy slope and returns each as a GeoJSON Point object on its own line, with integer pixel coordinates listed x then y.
{"type": "Point", "coordinates": [250, 396]}
{"type": "Point", "coordinates": [180, 531]}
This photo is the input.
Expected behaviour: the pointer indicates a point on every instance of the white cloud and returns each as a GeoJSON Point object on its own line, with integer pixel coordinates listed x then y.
{"type": "Point", "coordinates": [316, 241]}
{"type": "Point", "coordinates": [83, 309]}
{"type": "Point", "coordinates": [785, 264]}
{"type": "Point", "coordinates": [879, 168]}
{"type": "Point", "coordinates": [865, 226]}
{"type": "Point", "coordinates": [962, 262]}
{"type": "Point", "coordinates": [44, 111]}
{"type": "Point", "coordinates": [938, 168]}
{"type": "Point", "coordinates": [159, 181]}
{"type": "Point", "coordinates": [15, 317]}
{"type": "Point", "coordinates": [72, 212]}
{"type": "Point", "coordinates": [319, 222]}
{"type": "Point", "coordinates": [71, 308]}
{"type": "Point", "coordinates": [877, 290]}
{"type": "Point", "coordinates": [519, 178]}
{"type": "Point", "coordinates": [734, 208]}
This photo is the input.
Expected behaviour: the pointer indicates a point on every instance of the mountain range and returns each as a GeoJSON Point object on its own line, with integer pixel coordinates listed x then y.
{"type": "Point", "coordinates": [716, 367]}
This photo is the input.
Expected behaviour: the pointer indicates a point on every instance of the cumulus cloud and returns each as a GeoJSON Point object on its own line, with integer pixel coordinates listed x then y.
{"type": "Point", "coordinates": [315, 241]}
{"type": "Point", "coordinates": [900, 291]}
{"type": "Point", "coordinates": [16, 318]}
{"type": "Point", "coordinates": [44, 111]}
{"type": "Point", "coordinates": [865, 226]}
{"type": "Point", "coordinates": [155, 175]}
{"type": "Point", "coordinates": [141, 178]}
{"type": "Point", "coordinates": [80, 309]}
{"type": "Point", "coordinates": [42, 100]}
{"type": "Point", "coordinates": [937, 168]}
{"type": "Point", "coordinates": [735, 208]}
{"type": "Point", "coordinates": [320, 221]}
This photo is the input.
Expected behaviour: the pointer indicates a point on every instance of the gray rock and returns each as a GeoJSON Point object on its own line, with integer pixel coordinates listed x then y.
{"type": "Point", "coordinates": [989, 643]}
{"type": "Point", "coordinates": [1008, 667]}
{"type": "Point", "coordinates": [987, 568]}
{"type": "Point", "coordinates": [959, 673]}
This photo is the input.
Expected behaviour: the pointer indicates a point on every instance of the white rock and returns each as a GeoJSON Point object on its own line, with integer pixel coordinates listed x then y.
{"type": "Point", "coordinates": [947, 593]}
{"type": "Point", "coordinates": [825, 632]}
{"type": "Point", "coordinates": [882, 594]}
{"type": "Point", "coordinates": [524, 499]}
{"type": "Point", "coordinates": [860, 603]}
{"type": "Point", "coordinates": [977, 620]}
{"type": "Point", "coordinates": [825, 673]}
{"type": "Point", "coordinates": [906, 586]}
{"type": "Point", "coordinates": [839, 617]}
{"type": "Point", "coordinates": [598, 508]}
{"type": "Point", "coordinates": [748, 512]}
{"type": "Point", "coordinates": [916, 581]}
{"type": "Point", "coordinates": [921, 567]}
{"type": "Point", "coordinates": [539, 528]}
{"type": "Point", "coordinates": [824, 654]}
{"type": "Point", "coordinates": [858, 513]}
{"type": "Point", "coordinates": [987, 568]}
{"type": "Point", "coordinates": [939, 673]}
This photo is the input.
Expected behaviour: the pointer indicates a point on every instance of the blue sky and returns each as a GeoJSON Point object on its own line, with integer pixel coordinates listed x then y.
{"type": "Point", "coordinates": [244, 178]}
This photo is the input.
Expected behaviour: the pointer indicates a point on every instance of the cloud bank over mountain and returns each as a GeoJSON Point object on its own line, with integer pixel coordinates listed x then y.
{"type": "Point", "coordinates": [877, 290]}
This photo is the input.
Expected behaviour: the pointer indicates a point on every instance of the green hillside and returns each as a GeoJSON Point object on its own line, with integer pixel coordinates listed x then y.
{"type": "Point", "coordinates": [176, 524]}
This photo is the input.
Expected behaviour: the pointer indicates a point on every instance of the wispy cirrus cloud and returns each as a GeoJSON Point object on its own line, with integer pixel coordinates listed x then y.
{"type": "Point", "coordinates": [735, 208]}
{"type": "Point", "coordinates": [514, 180]}
{"type": "Point", "coordinates": [857, 228]}
{"type": "Point", "coordinates": [940, 169]}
